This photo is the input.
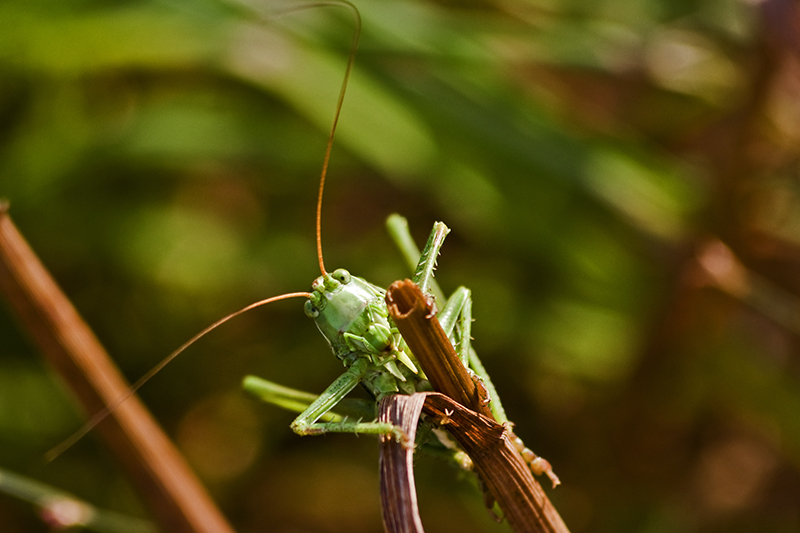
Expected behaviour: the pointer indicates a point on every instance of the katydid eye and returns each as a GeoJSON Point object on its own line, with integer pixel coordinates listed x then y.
{"type": "Point", "coordinates": [342, 276]}
{"type": "Point", "coordinates": [310, 310]}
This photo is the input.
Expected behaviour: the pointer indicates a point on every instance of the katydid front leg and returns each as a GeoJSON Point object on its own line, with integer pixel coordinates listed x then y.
{"type": "Point", "coordinates": [306, 423]}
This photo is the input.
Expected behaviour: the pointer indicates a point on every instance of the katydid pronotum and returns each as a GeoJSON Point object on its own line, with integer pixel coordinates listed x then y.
{"type": "Point", "coordinates": [352, 315]}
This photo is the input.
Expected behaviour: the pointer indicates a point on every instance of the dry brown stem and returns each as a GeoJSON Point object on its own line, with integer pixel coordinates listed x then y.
{"type": "Point", "coordinates": [420, 328]}
{"type": "Point", "coordinates": [177, 500]}
{"type": "Point", "coordinates": [499, 464]}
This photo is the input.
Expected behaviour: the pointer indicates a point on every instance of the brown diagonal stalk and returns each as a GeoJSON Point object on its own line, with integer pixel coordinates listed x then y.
{"type": "Point", "coordinates": [177, 500]}
{"type": "Point", "coordinates": [429, 343]}
{"type": "Point", "coordinates": [506, 475]}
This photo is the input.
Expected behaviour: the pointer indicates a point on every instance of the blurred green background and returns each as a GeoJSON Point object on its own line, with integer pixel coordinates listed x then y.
{"type": "Point", "coordinates": [621, 178]}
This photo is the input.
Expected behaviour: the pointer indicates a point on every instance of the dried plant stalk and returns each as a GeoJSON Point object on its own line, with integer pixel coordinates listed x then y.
{"type": "Point", "coordinates": [176, 498]}
{"type": "Point", "coordinates": [506, 475]}
{"type": "Point", "coordinates": [465, 414]}
{"type": "Point", "coordinates": [429, 343]}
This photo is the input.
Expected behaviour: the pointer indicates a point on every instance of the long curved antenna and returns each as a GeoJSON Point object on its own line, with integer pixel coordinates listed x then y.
{"type": "Point", "coordinates": [342, 91]}
{"type": "Point", "coordinates": [101, 415]}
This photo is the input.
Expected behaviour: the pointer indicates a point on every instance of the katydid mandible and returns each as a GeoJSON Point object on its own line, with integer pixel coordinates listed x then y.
{"type": "Point", "coordinates": [353, 317]}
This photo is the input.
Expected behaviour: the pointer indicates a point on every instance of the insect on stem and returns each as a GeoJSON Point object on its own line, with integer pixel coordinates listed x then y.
{"type": "Point", "coordinates": [101, 415]}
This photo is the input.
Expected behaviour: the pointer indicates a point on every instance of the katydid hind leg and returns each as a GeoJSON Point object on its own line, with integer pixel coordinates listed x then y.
{"type": "Point", "coordinates": [397, 227]}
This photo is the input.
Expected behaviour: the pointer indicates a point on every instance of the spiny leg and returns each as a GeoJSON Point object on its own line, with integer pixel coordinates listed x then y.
{"type": "Point", "coordinates": [537, 464]}
{"type": "Point", "coordinates": [421, 263]}
{"type": "Point", "coordinates": [423, 275]}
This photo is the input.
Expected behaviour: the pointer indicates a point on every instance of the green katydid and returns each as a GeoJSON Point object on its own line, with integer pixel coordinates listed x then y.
{"type": "Point", "coordinates": [352, 315]}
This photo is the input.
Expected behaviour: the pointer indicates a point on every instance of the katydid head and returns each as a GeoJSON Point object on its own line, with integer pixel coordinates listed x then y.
{"type": "Point", "coordinates": [337, 300]}
{"type": "Point", "coordinates": [323, 288]}
{"type": "Point", "coordinates": [348, 312]}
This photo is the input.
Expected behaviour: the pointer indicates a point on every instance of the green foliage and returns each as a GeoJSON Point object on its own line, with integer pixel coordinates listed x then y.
{"type": "Point", "coordinates": [162, 158]}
